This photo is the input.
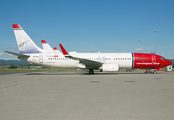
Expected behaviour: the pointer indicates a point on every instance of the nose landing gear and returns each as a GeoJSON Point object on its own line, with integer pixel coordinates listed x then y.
{"type": "Point", "coordinates": [151, 71]}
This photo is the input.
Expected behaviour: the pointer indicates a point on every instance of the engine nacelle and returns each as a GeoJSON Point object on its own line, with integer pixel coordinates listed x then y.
{"type": "Point", "coordinates": [110, 67]}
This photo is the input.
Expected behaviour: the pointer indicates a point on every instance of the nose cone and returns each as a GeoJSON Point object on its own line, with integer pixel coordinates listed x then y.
{"type": "Point", "coordinates": [169, 62]}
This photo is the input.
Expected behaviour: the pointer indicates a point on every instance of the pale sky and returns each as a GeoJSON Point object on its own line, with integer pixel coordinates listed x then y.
{"type": "Point", "coordinates": [89, 25]}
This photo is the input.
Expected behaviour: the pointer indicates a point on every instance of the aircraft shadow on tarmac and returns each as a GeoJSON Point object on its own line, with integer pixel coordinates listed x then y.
{"type": "Point", "coordinates": [82, 73]}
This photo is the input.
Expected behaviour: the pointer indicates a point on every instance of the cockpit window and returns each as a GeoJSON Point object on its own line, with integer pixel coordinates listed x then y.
{"type": "Point", "coordinates": [162, 58]}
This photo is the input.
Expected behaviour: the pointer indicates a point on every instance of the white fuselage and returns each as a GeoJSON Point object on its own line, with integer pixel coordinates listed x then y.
{"type": "Point", "coordinates": [124, 60]}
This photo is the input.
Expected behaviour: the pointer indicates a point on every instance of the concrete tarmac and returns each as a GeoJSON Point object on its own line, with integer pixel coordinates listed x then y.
{"type": "Point", "coordinates": [79, 96]}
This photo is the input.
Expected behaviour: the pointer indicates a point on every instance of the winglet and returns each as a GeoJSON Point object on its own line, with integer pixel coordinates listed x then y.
{"type": "Point", "coordinates": [16, 26]}
{"type": "Point", "coordinates": [43, 41]}
{"type": "Point", "coordinates": [55, 48]}
{"type": "Point", "coordinates": [63, 50]}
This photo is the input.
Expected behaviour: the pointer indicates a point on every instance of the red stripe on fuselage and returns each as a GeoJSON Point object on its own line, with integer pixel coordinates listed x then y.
{"type": "Point", "coordinates": [147, 61]}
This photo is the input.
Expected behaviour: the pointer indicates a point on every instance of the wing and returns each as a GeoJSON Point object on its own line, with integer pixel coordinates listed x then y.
{"type": "Point", "coordinates": [88, 63]}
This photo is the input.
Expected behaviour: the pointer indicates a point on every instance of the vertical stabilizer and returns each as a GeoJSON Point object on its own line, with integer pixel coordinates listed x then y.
{"type": "Point", "coordinates": [25, 43]}
{"type": "Point", "coordinates": [56, 50]}
{"type": "Point", "coordinates": [46, 47]}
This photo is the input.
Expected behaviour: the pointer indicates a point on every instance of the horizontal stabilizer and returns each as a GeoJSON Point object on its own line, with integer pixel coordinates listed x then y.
{"type": "Point", "coordinates": [17, 54]}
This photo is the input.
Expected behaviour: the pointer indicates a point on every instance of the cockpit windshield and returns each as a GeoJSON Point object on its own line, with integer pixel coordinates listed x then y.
{"type": "Point", "coordinates": [162, 58]}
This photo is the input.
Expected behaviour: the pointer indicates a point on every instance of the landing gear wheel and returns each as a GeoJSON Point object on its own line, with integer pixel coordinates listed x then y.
{"type": "Point", "coordinates": [154, 72]}
{"type": "Point", "coordinates": [91, 71]}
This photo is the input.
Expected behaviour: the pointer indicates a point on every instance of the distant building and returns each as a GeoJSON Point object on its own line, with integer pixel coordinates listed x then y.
{"type": "Point", "coordinates": [4, 67]}
{"type": "Point", "coordinates": [31, 67]}
{"type": "Point", "coordinates": [172, 60]}
{"type": "Point", "coordinates": [169, 68]}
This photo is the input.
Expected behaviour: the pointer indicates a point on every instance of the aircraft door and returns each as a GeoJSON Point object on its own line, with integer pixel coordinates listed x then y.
{"type": "Point", "coordinates": [153, 59]}
{"type": "Point", "coordinates": [41, 59]}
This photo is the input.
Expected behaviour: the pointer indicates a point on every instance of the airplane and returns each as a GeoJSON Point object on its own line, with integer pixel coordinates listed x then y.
{"type": "Point", "coordinates": [116, 61]}
{"type": "Point", "coordinates": [110, 62]}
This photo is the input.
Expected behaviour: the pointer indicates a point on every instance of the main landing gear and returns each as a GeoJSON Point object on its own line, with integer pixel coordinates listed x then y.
{"type": "Point", "coordinates": [91, 71]}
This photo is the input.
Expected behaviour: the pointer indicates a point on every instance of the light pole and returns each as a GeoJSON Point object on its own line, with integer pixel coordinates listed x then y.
{"type": "Point", "coordinates": [155, 41]}
{"type": "Point", "coordinates": [139, 45]}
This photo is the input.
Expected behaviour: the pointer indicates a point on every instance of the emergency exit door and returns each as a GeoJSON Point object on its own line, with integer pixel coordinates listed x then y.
{"type": "Point", "coordinates": [153, 59]}
{"type": "Point", "coordinates": [41, 59]}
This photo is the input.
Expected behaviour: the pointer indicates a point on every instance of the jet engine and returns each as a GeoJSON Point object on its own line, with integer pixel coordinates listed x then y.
{"type": "Point", "coordinates": [110, 67]}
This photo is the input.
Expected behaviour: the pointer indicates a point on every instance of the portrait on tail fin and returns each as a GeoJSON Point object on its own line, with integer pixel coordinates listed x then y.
{"type": "Point", "coordinates": [25, 43]}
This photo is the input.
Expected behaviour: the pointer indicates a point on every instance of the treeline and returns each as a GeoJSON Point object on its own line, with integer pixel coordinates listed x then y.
{"type": "Point", "coordinates": [23, 66]}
